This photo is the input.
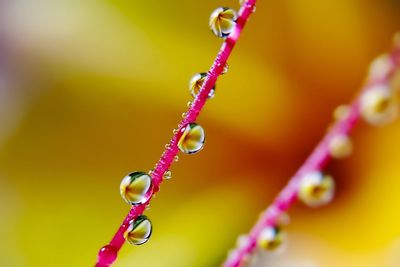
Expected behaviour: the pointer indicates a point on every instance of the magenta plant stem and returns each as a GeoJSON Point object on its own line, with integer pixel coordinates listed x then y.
{"type": "Point", "coordinates": [104, 259]}
{"type": "Point", "coordinates": [317, 161]}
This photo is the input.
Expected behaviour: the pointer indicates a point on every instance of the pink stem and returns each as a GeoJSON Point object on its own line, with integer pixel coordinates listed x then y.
{"type": "Point", "coordinates": [318, 159]}
{"type": "Point", "coordinates": [108, 254]}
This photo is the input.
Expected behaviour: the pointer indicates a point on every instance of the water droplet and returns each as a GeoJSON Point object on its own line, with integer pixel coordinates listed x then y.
{"type": "Point", "coordinates": [232, 254]}
{"type": "Point", "coordinates": [340, 146]}
{"type": "Point", "coordinates": [283, 219]}
{"type": "Point", "coordinates": [192, 139]}
{"type": "Point", "coordinates": [270, 238]}
{"type": "Point", "coordinates": [241, 2]}
{"type": "Point", "coordinates": [242, 241]}
{"type": "Point", "coordinates": [196, 82]}
{"type": "Point", "coordinates": [167, 175]}
{"type": "Point", "coordinates": [223, 21]}
{"type": "Point", "coordinates": [184, 115]}
{"type": "Point", "coordinates": [189, 104]}
{"type": "Point", "coordinates": [378, 106]}
{"type": "Point", "coordinates": [341, 112]}
{"type": "Point", "coordinates": [225, 69]}
{"type": "Point", "coordinates": [139, 231]}
{"type": "Point", "coordinates": [136, 188]}
{"type": "Point", "coordinates": [176, 158]}
{"type": "Point", "coordinates": [316, 189]}
{"type": "Point", "coordinates": [381, 67]}
{"type": "Point", "coordinates": [107, 255]}
{"type": "Point", "coordinates": [167, 146]}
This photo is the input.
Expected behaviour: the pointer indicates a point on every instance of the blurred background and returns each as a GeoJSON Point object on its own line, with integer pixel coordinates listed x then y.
{"type": "Point", "coordinates": [91, 90]}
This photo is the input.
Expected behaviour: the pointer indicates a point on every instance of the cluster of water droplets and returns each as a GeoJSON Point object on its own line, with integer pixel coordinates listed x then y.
{"type": "Point", "coordinates": [378, 105]}
{"type": "Point", "coordinates": [137, 188]}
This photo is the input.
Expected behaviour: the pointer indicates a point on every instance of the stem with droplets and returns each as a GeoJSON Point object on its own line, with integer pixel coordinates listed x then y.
{"type": "Point", "coordinates": [317, 161]}
{"type": "Point", "coordinates": [106, 259]}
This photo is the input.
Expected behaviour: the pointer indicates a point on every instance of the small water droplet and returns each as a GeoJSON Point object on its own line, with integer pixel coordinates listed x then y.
{"type": "Point", "coordinates": [176, 158]}
{"type": "Point", "coordinates": [341, 112]}
{"type": "Point", "coordinates": [316, 189]}
{"type": "Point", "coordinates": [340, 146]}
{"type": "Point", "coordinates": [270, 238]}
{"type": "Point", "coordinates": [232, 254]}
{"type": "Point", "coordinates": [242, 241]}
{"type": "Point", "coordinates": [192, 139]}
{"type": "Point", "coordinates": [225, 69]}
{"type": "Point", "coordinates": [196, 82]}
{"type": "Point", "coordinates": [184, 115]}
{"type": "Point", "coordinates": [107, 255]}
{"type": "Point", "coordinates": [381, 67]}
{"type": "Point", "coordinates": [167, 175]}
{"type": "Point", "coordinates": [167, 146]}
{"type": "Point", "coordinates": [189, 104]}
{"type": "Point", "coordinates": [283, 219]}
{"type": "Point", "coordinates": [136, 188]}
{"type": "Point", "coordinates": [241, 2]}
{"type": "Point", "coordinates": [223, 21]}
{"type": "Point", "coordinates": [139, 231]}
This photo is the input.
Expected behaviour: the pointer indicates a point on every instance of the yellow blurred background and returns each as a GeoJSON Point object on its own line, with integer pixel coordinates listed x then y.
{"type": "Point", "coordinates": [91, 90]}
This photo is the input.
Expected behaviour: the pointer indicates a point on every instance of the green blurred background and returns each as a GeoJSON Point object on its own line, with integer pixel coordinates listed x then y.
{"type": "Point", "coordinates": [91, 90]}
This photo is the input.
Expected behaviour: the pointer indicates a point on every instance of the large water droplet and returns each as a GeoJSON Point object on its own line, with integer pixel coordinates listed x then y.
{"type": "Point", "coordinates": [139, 231]}
{"type": "Point", "coordinates": [136, 188]}
{"type": "Point", "coordinates": [223, 21]}
{"type": "Point", "coordinates": [378, 105]}
{"type": "Point", "coordinates": [270, 238]}
{"type": "Point", "coordinates": [316, 189]}
{"type": "Point", "coordinates": [196, 82]}
{"type": "Point", "coordinates": [192, 139]}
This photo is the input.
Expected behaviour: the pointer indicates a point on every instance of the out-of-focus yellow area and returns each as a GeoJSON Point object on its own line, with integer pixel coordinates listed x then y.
{"type": "Point", "coordinates": [91, 90]}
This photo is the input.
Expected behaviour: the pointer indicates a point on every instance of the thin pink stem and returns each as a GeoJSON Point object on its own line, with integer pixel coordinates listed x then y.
{"type": "Point", "coordinates": [317, 161]}
{"type": "Point", "coordinates": [107, 256]}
